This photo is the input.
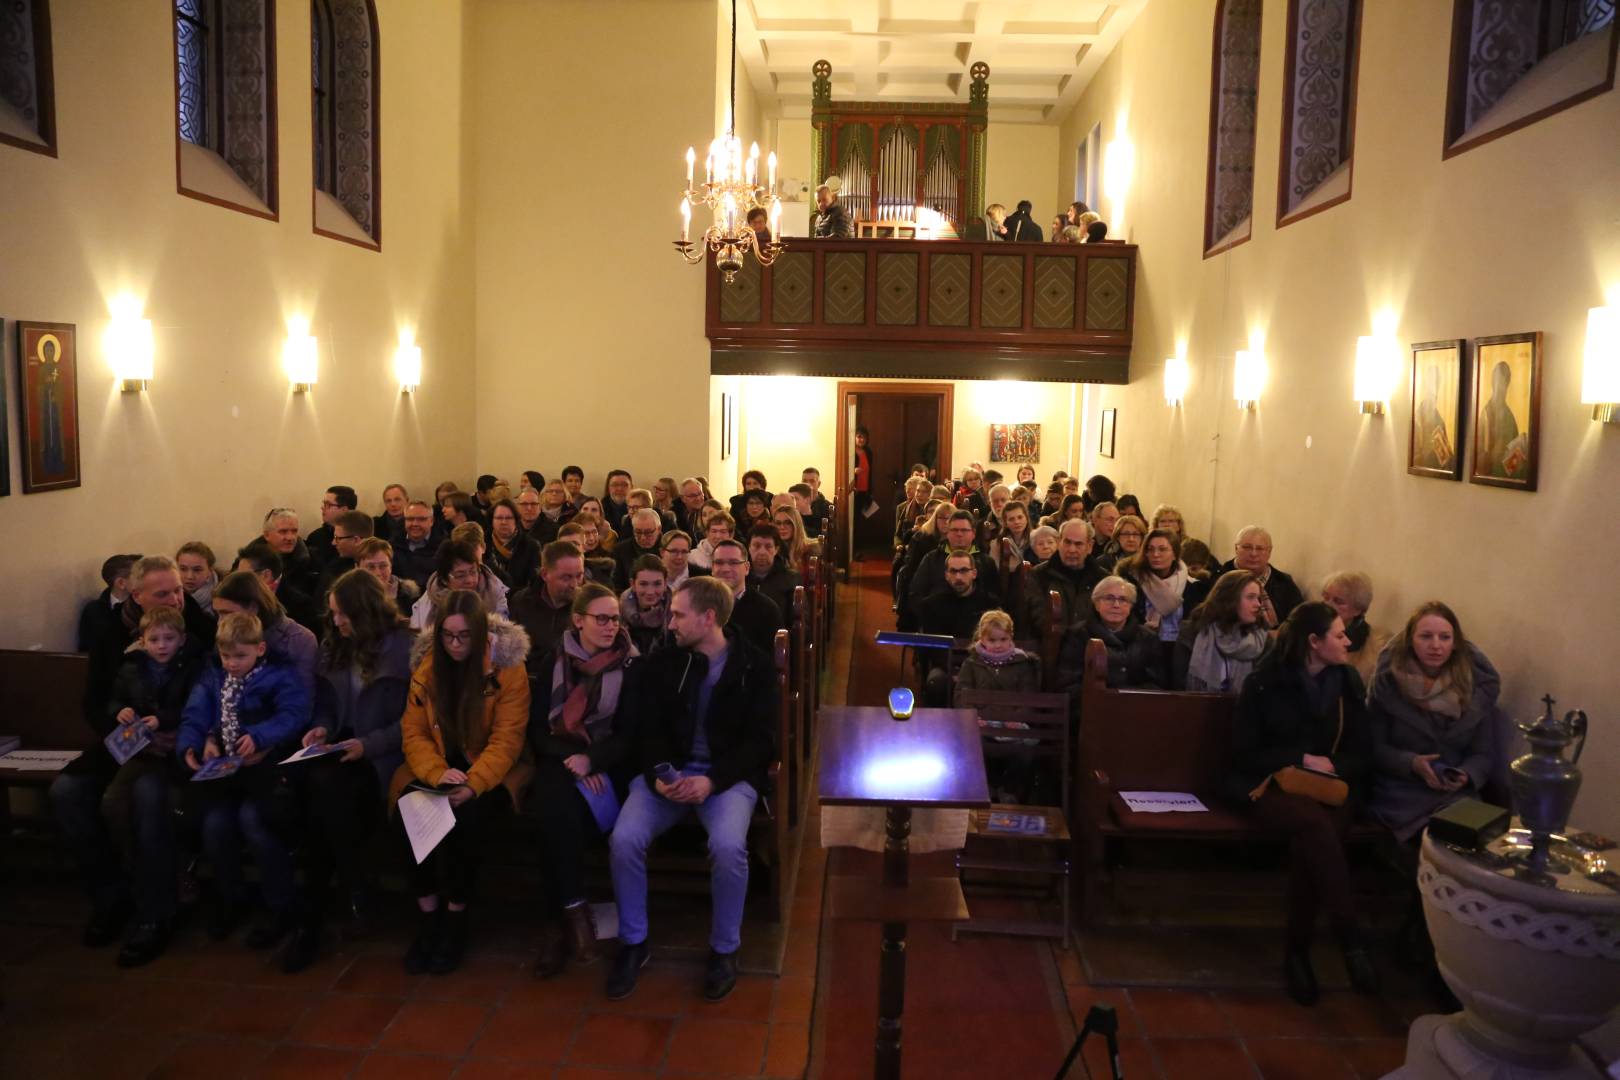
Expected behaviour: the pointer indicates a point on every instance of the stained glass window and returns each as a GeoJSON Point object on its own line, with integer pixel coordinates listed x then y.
{"type": "Point", "coordinates": [191, 39]}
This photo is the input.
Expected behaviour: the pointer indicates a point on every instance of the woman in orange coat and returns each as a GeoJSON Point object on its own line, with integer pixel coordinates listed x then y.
{"type": "Point", "coordinates": [462, 732]}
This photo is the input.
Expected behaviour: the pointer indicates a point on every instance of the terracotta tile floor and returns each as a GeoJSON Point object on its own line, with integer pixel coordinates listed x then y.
{"type": "Point", "coordinates": [217, 1011]}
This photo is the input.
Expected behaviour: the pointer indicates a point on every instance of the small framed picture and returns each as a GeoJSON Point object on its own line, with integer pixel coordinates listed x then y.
{"type": "Point", "coordinates": [48, 404]}
{"type": "Point", "coordinates": [1507, 411]}
{"type": "Point", "coordinates": [1434, 439]}
{"type": "Point", "coordinates": [1110, 418]}
{"type": "Point", "coordinates": [725, 427]}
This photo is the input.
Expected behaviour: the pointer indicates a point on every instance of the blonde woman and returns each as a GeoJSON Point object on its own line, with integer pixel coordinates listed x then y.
{"type": "Point", "coordinates": [1350, 593]}
{"type": "Point", "coordinates": [1169, 518]}
{"type": "Point", "coordinates": [796, 546]}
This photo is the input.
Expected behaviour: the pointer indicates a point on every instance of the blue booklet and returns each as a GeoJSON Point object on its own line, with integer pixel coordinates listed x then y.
{"type": "Point", "coordinates": [1017, 824]}
{"type": "Point", "coordinates": [604, 806]}
{"type": "Point", "coordinates": [217, 768]}
{"type": "Point", "coordinates": [127, 740]}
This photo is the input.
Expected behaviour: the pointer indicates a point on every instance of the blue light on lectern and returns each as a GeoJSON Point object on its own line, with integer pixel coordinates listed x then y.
{"type": "Point", "coordinates": [904, 775]}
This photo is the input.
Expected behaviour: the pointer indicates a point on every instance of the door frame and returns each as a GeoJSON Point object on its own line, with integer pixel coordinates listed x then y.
{"type": "Point", "coordinates": [944, 395]}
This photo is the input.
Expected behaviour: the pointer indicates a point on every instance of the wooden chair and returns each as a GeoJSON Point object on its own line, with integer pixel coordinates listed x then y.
{"type": "Point", "coordinates": [1043, 739]}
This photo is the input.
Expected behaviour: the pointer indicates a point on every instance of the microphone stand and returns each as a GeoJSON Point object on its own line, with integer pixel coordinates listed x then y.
{"type": "Point", "coordinates": [1102, 1020]}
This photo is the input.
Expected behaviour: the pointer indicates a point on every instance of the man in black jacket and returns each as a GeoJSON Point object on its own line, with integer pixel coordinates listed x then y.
{"type": "Point", "coordinates": [298, 566]}
{"type": "Point", "coordinates": [338, 499]}
{"type": "Point", "coordinates": [645, 529]}
{"type": "Point", "coordinates": [768, 574]}
{"type": "Point", "coordinates": [1252, 552]}
{"type": "Point", "coordinates": [753, 614]}
{"type": "Point", "coordinates": [1020, 226]}
{"type": "Point", "coordinates": [831, 221]}
{"type": "Point", "coordinates": [259, 558]}
{"type": "Point", "coordinates": [929, 576]}
{"type": "Point", "coordinates": [706, 710]}
{"type": "Point", "coordinates": [416, 555]}
{"type": "Point", "coordinates": [544, 608]}
{"type": "Point", "coordinates": [1070, 573]}
{"type": "Point", "coordinates": [820, 508]}
{"type": "Point", "coordinates": [953, 611]}
{"type": "Point", "coordinates": [390, 524]}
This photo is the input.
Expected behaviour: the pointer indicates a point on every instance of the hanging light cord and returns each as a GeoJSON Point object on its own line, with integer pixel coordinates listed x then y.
{"type": "Point", "coordinates": [733, 116]}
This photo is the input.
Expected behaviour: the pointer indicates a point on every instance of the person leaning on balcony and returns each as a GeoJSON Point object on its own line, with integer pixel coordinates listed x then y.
{"type": "Point", "coordinates": [831, 220]}
{"type": "Point", "coordinates": [1020, 226]}
{"type": "Point", "coordinates": [995, 215]}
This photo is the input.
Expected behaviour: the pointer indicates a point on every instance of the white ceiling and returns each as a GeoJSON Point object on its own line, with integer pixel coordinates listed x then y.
{"type": "Point", "coordinates": [1041, 53]}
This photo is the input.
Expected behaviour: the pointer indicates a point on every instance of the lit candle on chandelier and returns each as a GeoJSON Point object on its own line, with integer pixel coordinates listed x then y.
{"type": "Point", "coordinates": [691, 158]}
{"type": "Point", "coordinates": [686, 220]}
{"type": "Point", "coordinates": [776, 212]}
{"type": "Point", "coordinates": [753, 163]}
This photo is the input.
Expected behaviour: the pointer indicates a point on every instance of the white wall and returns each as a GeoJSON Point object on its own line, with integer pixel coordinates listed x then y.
{"type": "Point", "coordinates": [219, 438]}
{"type": "Point", "coordinates": [1021, 162]}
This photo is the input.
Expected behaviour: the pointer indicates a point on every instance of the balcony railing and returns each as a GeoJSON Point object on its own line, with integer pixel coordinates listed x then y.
{"type": "Point", "coordinates": [930, 309]}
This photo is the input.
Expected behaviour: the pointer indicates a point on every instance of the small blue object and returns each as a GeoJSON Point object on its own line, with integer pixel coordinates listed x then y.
{"type": "Point", "coordinates": [665, 772]}
{"type": "Point", "coordinates": [901, 702]}
{"type": "Point", "coordinates": [915, 641]}
{"type": "Point", "coordinates": [604, 804]}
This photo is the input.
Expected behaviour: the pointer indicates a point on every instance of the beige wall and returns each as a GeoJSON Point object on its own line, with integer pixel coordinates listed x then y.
{"type": "Point", "coordinates": [1430, 242]}
{"type": "Point", "coordinates": [219, 439]}
{"type": "Point", "coordinates": [1021, 162]}
{"type": "Point", "coordinates": [585, 313]}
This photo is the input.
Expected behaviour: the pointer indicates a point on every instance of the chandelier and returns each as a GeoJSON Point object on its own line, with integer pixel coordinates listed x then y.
{"type": "Point", "coordinates": [731, 190]}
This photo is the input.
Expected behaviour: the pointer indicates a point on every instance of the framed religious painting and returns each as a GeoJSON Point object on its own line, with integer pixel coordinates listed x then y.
{"type": "Point", "coordinates": [48, 406]}
{"type": "Point", "coordinates": [1434, 438]}
{"type": "Point", "coordinates": [1015, 442]}
{"type": "Point", "coordinates": [1507, 411]}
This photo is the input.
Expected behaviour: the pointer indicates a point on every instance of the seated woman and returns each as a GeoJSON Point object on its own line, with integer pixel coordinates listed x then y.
{"type": "Point", "coordinates": [1302, 709]}
{"type": "Point", "coordinates": [284, 639]}
{"type": "Point", "coordinates": [582, 767]}
{"type": "Point", "coordinates": [927, 537]}
{"type": "Point", "coordinates": [1162, 581]}
{"type": "Point", "coordinates": [365, 671]}
{"type": "Point", "coordinates": [644, 606]}
{"type": "Point", "coordinates": [462, 732]}
{"type": "Point", "coordinates": [970, 496]}
{"type": "Point", "coordinates": [796, 546]}
{"type": "Point", "coordinates": [1433, 699]}
{"type": "Point", "coordinates": [1073, 506]}
{"type": "Point", "coordinates": [512, 553]}
{"type": "Point", "coordinates": [1134, 659]}
{"type": "Point", "coordinates": [459, 566]}
{"type": "Point", "coordinates": [1010, 545]}
{"type": "Point", "coordinates": [1221, 639]}
{"type": "Point", "coordinates": [1000, 495]}
{"type": "Point", "coordinates": [1169, 518]}
{"type": "Point", "coordinates": [718, 525]}
{"type": "Point", "coordinates": [664, 494]}
{"type": "Point", "coordinates": [376, 556]}
{"type": "Point", "coordinates": [1129, 532]}
{"type": "Point", "coordinates": [1043, 542]}
{"type": "Point", "coordinates": [590, 508]}
{"type": "Point", "coordinates": [1350, 592]}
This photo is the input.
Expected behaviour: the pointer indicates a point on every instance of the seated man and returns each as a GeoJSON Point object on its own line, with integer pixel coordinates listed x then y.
{"type": "Point", "coordinates": [415, 556]}
{"type": "Point", "coordinates": [753, 614]}
{"type": "Point", "coordinates": [258, 558]}
{"type": "Point", "coordinates": [953, 611]}
{"type": "Point", "coordinates": [687, 510]}
{"type": "Point", "coordinates": [336, 500]}
{"type": "Point", "coordinates": [929, 575]}
{"type": "Point", "coordinates": [1070, 573]}
{"type": "Point", "coordinates": [645, 529]}
{"type": "Point", "coordinates": [390, 524]}
{"type": "Point", "coordinates": [820, 508]}
{"type": "Point", "coordinates": [528, 504]}
{"type": "Point", "coordinates": [1252, 552]}
{"type": "Point", "coordinates": [544, 608]}
{"type": "Point", "coordinates": [706, 709]}
{"type": "Point", "coordinates": [768, 572]}
{"type": "Point", "coordinates": [830, 220]}
{"type": "Point", "coordinates": [348, 530]}
{"type": "Point", "coordinates": [99, 617]}
{"type": "Point", "coordinates": [298, 565]}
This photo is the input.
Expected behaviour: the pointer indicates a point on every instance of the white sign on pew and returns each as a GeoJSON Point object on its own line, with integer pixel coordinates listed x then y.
{"type": "Point", "coordinates": [1163, 802]}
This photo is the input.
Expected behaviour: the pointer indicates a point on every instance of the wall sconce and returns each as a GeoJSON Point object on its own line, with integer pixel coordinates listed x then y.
{"type": "Point", "coordinates": [1600, 375]}
{"type": "Point", "coordinates": [408, 365]}
{"type": "Point", "coordinates": [300, 357]}
{"type": "Point", "coordinates": [1378, 362]}
{"type": "Point", "coordinates": [1248, 377]}
{"type": "Point", "coordinates": [130, 350]}
{"type": "Point", "coordinates": [1176, 377]}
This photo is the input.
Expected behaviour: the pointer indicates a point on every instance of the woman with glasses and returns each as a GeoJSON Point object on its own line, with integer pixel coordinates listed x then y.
{"type": "Point", "coordinates": [462, 734]}
{"type": "Point", "coordinates": [796, 546]}
{"type": "Point", "coordinates": [459, 566]}
{"type": "Point", "coordinates": [582, 768]}
{"type": "Point", "coordinates": [512, 554]}
{"type": "Point", "coordinates": [1134, 659]}
{"type": "Point", "coordinates": [674, 549]}
{"type": "Point", "coordinates": [1161, 582]}
{"type": "Point", "coordinates": [1129, 532]}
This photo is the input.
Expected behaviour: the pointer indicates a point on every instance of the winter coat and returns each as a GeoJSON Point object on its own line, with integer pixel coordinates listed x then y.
{"type": "Point", "coordinates": [519, 568]}
{"type": "Point", "coordinates": [491, 589]}
{"type": "Point", "coordinates": [1073, 586]}
{"type": "Point", "coordinates": [742, 717]}
{"type": "Point", "coordinates": [778, 583]}
{"type": "Point", "coordinates": [545, 624]}
{"type": "Point", "coordinates": [1277, 722]}
{"type": "Point", "coordinates": [107, 654]}
{"type": "Point", "coordinates": [373, 714]}
{"type": "Point", "coordinates": [610, 723]}
{"type": "Point", "coordinates": [416, 565]}
{"type": "Point", "coordinates": [1135, 658]}
{"type": "Point", "coordinates": [295, 646]}
{"type": "Point", "coordinates": [1402, 730]}
{"type": "Point", "coordinates": [495, 745]}
{"type": "Point", "coordinates": [624, 557]}
{"type": "Point", "coordinates": [757, 618]}
{"type": "Point", "coordinates": [274, 708]}
{"type": "Point", "coordinates": [156, 691]}
{"type": "Point", "coordinates": [1021, 674]}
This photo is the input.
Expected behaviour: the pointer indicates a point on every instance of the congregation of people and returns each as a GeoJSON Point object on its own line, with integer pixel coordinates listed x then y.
{"type": "Point", "coordinates": [1399, 725]}
{"type": "Point", "coordinates": [601, 665]}
{"type": "Point", "coordinates": [1077, 224]}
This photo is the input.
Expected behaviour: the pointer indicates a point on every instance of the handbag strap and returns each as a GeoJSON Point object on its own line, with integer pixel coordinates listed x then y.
{"type": "Point", "coordinates": [1340, 733]}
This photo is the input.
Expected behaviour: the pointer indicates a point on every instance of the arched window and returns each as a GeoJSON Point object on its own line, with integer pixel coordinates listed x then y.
{"type": "Point", "coordinates": [1500, 78]}
{"type": "Point", "coordinates": [1319, 106]}
{"type": "Point", "coordinates": [344, 124]}
{"type": "Point", "coordinates": [225, 108]}
{"type": "Point", "coordinates": [1234, 84]}
{"type": "Point", "coordinates": [27, 105]}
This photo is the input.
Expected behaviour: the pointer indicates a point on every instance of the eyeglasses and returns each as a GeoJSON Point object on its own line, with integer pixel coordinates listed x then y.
{"type": "Point", "coordinates": [337, 538]}
{"type": "Point", "coordinates": [1111, 599]}
{"type": "Point", "coordinates": [949, 570]}
{"type": "Point", "coordinates": [673, 550]}
{"type": "Point", "coordinates": [1122, 534]}
{"type": "Point", "coordinates": [603, 620]}
{"type": "Point", "coordinates": [730, 562]}
{"type": "Point", "coordinates": [456, 637]}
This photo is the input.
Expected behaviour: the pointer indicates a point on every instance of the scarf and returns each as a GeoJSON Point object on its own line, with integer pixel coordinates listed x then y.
{"type": "Point", "coordinates": [1358, 631]}
{"type": "Point", "coordinates": [1222, 657]}
{"type": "Point", "coordinates": [576, 689]}
{"type": "Point", "coordinates": [1015, 653]}
{"type": "Point", "coordinates": [654, 618]}
{"type": "Point", "coordinates": [501, 549]}
{"type": "Point", "coordinates": [1435, 695]}
{"type": "Point", "coordinates": [1163, 594]}
{"type": "Point", "coordinates": [230, 696]}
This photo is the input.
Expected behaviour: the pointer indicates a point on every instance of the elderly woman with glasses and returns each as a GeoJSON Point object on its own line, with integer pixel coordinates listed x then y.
{"type": "Point", "coordinates": [1135, 660]}
{"type": "Point", "coordinates": [1129, 533]}
{"type": "Point", "coordinates": [582, 768]}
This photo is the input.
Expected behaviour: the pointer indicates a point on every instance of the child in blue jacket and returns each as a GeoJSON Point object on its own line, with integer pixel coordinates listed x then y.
{"type": "Point", "coordinates": [255, 709]}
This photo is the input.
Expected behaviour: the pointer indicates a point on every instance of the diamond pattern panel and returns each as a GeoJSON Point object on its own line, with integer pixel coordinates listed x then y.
{"type": "Point", "coordinates": [740, 300]}
{"type": "Point", "coordinates": [843, 289]}
{"type": "Point", "coordinates": [1054, 293]}
{"type": "Point", "coordinates": [897, 289]}
{"type": "Point", "coordinates": [1001, 295]}
{"type": "Point", "coordinates": [792, 298]}
{"type": "Point", "coordinates": [1105, 294]}
{"type": "Point", "coordinates": [949, 289]}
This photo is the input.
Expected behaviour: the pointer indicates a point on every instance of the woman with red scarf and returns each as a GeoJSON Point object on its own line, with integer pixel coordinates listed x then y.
{"type": "Point", "coordinates": [581, 767]}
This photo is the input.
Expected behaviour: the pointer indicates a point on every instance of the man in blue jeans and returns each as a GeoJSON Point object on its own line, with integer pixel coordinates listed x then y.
{"type": "Point", "coordinates": [707, 708]}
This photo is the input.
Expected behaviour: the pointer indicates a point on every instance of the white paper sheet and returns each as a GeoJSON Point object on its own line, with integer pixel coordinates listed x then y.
{"type": "Point", "coordinates": [305, 753]}
{"type": "Point", "coordinates": [428, 818]}
{"type": "Point", "coordinates": [1162, 802]}
{"type": "Point", "coordinates": [39, 760]}
{"type": "Point", "coordinates": [606, 917]}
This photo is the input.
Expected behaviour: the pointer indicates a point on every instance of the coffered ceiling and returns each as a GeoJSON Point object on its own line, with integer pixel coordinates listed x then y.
{"type": "Point", "coordinates": [1041, 52]}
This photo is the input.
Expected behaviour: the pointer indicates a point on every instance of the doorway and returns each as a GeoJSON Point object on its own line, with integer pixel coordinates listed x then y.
{"type": "Point", "coordinates": [906, 424]}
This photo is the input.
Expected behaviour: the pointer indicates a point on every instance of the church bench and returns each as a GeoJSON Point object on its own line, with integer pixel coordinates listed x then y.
{"type": "Point", "coordinates": [41, 695]}
{"type": "Point", "coordinates": [1153, 740]}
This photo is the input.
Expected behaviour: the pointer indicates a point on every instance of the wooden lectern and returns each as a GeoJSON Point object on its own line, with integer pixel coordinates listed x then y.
{"type": "Point", "coordinates": [933, 761]}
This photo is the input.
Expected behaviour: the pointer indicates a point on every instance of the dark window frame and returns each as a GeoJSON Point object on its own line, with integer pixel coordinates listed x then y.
{"type": "Point", "coordinates": [272, 194]}
{"type": "Point", "coordinates": [1210, 244]}
{"type": "Point", "coordinates": [1347, 132]}
{"type": "Point", "coordinates": [375, 233]}
{"type": "Point", "coordinates": [44, 86]}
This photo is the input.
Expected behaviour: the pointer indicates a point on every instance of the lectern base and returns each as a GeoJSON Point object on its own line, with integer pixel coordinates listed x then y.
{"type": "Point", "coordinates": [1440, 1048]}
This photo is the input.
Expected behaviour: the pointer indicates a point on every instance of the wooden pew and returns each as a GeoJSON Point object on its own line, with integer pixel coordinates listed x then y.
{"type": "Point", "coordinates": [1152, 740]}
{"type": "Point", "coordinates": [41, 700]}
